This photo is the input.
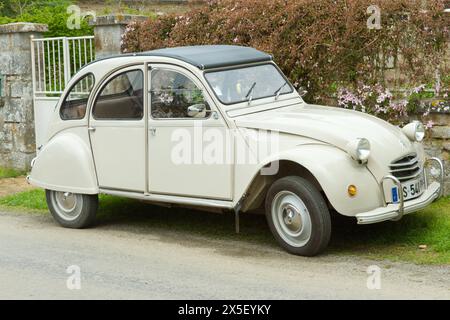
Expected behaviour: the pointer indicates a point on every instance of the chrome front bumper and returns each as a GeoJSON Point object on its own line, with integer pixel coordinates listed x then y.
{"type": "Point", "coordinates": [396, 211]}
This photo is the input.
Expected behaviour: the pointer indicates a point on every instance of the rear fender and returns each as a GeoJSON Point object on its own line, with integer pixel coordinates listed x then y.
{"type": "Point", "coordinates": [65, 163]}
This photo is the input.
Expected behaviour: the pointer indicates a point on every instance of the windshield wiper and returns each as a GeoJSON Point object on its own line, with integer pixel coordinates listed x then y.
{"type": "Point", "coordinates": [249, 95]}
{"type": "Point", "coordinates": [278, 92]}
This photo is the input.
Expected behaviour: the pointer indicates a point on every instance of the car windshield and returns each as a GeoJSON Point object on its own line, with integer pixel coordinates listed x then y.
{"type": "Point", "coordinates": [248, 83]}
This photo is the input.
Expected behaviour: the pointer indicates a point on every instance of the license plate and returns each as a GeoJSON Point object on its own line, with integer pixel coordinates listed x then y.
{"type": "Point", "coordinates": [411, 189]}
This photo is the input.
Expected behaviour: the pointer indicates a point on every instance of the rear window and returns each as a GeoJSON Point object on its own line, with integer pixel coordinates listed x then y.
{"type": "Point", "coordinates": [75, 102]}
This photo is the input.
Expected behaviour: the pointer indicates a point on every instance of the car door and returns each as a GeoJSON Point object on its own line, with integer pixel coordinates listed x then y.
{"type": "Point", "coordinates": [117, 131]}
{"type": "Point", "coordinates": [190, 152]}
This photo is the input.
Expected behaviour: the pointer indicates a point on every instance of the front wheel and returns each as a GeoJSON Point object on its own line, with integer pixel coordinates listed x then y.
{"type": "Point", "coordinates": [72, 210]}
{"type": "Point", "coordinates": [298, 216]}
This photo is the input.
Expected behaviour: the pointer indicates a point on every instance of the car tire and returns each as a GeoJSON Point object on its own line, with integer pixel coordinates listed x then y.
{"type": "Point", "coordinates": [72, 210]}
{"type": "Point", "coordinates": [298, 216]}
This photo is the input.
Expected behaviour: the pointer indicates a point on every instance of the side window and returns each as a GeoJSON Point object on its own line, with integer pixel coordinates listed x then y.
{"type": "Point", "coordinates": [172, 93]}
{"type": "Point", "coordinates": [75, 102]}
{"type": "Point", "coordinates": [121, 98]}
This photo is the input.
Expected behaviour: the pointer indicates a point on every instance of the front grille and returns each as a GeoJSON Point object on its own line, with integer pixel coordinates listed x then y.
{"type": "Point", "coordinates": [406, 168]}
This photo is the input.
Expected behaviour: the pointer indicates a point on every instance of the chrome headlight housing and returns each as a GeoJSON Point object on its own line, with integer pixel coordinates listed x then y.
{"type": "Point", "coordinates": [415, 131]}
{"type": "Point", "coordinates": [359, 149]}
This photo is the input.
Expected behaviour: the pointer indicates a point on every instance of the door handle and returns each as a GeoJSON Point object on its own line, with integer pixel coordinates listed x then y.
{"type": "Point", "coordinates": [152, 131]}
{"type": "Point", "coordinates": [91, 129]}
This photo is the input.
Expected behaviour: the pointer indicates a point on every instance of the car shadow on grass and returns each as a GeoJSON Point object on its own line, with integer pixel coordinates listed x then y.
{"type": "Point", "coordinates": [115, 211]}
{"type": "Point", "coordinates": [390, 240]}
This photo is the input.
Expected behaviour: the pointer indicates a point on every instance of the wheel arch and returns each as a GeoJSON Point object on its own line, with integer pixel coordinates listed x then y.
{"type": "Point", "coordinates": [65, 163]}
{"type": "Point", "coordinates": [258, 187]}
{"type": "Point", "coordinates": [329, 169]}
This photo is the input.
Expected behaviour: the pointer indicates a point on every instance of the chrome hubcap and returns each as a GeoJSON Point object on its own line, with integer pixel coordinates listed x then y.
{"type": "Point", "coordinates": [68, 205]}
{"type": "Point", "coordinates": [291, 218]}
{"type": "Point", "coordinates": [66, 201]}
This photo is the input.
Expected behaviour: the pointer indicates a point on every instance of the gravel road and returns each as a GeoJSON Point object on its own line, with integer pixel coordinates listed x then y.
{"type": "Point", "coordinates": [117, 261]}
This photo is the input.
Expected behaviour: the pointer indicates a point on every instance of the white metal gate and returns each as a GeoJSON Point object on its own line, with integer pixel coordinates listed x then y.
{"type": "Point", "coordinates": [55, 61]}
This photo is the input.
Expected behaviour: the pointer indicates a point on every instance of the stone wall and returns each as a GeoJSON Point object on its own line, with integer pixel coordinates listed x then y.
{"type": "Point", "coordinates": [108, 31]}
{"type": "Point", "coordinates": [17, 146]}
{"type": "Point", "coordinates": [437, 143]}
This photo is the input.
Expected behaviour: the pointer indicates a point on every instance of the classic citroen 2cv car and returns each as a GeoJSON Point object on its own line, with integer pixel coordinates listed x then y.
{"type": "Point", "coordinates": [221, 128]}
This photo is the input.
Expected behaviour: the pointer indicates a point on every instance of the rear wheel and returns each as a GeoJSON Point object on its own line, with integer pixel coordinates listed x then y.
{"type": "Point", "coordinates": [298, 216]}
{"type": "Point", "coordinates": [72, 210]}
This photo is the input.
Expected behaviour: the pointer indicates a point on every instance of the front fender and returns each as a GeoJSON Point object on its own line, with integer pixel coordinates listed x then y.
{"type": "Point", "coordinates": [334, 170]}
{"type": "Point", "coordinates": [65, 164]}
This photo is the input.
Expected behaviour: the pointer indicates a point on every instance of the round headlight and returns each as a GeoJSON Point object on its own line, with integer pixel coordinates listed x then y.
{"type": "Point", "coordinates": [420, 132]}
{"type": "Point", "coordinates": [359, 149]}
{"type": "Point", "coordinates": [415, 131]}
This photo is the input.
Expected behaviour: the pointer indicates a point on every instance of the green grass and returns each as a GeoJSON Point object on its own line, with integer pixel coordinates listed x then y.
{"type": "Point", "coordinates": [31, 200]}
{"type": "Point", "coordinates": [10, 173]}
{"type": "Point", "coordinates": [396, 241]}
{"type": "Point", "coordinates": [400, 240]}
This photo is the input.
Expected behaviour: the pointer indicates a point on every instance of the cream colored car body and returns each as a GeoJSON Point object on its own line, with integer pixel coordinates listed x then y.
{"type": "Point", "coordinates": [127, 160]}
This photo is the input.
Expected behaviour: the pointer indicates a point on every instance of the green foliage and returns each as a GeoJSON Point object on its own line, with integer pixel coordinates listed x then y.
{"type": "Point", "coordinates": [10, 173]}
{"type": "Point", "coordinates": [16, 8]}
{"type": "Point", "coordinates": [4, 20]}
{"type": "Point", "coordinates": [51, 12]}
{"type": "Point", "coordinates": [197, 96]}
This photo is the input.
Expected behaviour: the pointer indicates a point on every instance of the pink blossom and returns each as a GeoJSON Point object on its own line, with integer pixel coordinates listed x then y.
{"type": "Point", "coordinates": [418, 89]}
{"type": "Point", "coordinates": [347, 99]}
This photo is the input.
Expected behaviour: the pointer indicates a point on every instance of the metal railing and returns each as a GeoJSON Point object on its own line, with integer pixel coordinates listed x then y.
{"type": "Point", "coordinates": [56, 60]}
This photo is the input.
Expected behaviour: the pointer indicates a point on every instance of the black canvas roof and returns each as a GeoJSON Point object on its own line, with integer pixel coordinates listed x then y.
{"type": "Point", "coordinates": [212, 56]}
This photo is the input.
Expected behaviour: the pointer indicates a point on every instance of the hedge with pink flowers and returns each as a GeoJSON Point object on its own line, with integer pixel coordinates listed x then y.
{"type": "Point", "coordinates": [327, 47]}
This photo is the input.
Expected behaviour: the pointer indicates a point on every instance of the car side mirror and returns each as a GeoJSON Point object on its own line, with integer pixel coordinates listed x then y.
{"type": "Point", "coordinates": [196, 110]}
{"type": "Point", "coordinates": [302, 91]}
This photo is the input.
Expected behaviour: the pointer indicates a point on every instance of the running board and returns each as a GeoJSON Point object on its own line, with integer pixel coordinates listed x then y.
{"type": "Point", "coordinates": [171, 199]}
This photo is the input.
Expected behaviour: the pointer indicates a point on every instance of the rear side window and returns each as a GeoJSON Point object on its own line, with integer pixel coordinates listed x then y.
{"type": "Point", "coordinates": [75, 102]}
{"type": "Point", "coordinates": [121, 98]}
